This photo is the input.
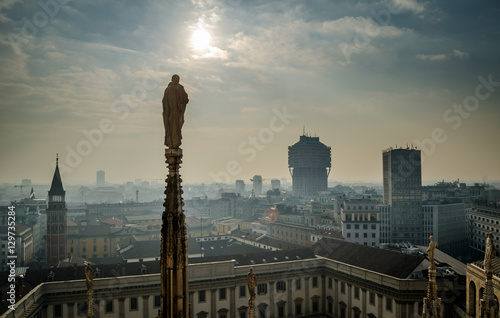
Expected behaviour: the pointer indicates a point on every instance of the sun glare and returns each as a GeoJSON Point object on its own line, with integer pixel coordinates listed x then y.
{"type": "Point", "coordinates": [200, 40]}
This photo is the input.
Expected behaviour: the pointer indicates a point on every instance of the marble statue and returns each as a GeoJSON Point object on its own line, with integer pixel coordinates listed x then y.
{"type": "Point", "coordinates": [174, 101]}
{"type": "Point", "coordinates": [490, 251]}
{"type": "Point", "coordinates": [430, 251]}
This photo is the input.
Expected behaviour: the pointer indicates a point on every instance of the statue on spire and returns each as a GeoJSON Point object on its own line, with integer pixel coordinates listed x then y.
{"type": "Point", "coordinates": [174, 101]}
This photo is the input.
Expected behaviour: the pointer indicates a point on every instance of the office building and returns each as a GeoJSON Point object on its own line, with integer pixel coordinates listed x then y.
{"type": "Point", "coordinates": [240, 186]}
{"type": "Point", "coordinates": [309, 162]}
{"type": "Point", "coordinates": [101, 178]}
{"type": "Point", "coordinates": [402, 183]}
{"type": "Point", "coordinates": [257, 185]}
{"type": "Point", "coordinates": [361, 221]}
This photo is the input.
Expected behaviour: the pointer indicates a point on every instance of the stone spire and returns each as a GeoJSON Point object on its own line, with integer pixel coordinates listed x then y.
{"type": "Point", "coordinates": [488, 305]}
{"type": "Point", "coordinates": [174, 249]}
{"type": "Point", "coordinates": [432, 303]}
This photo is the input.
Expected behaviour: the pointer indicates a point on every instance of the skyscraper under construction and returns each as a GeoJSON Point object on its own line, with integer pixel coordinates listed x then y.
{"type": "Point", "coordinates": [309, 162]}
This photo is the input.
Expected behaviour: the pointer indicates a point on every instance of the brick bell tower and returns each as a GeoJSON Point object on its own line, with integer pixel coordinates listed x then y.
{"type": "Point", "coordinates": [56, 220]}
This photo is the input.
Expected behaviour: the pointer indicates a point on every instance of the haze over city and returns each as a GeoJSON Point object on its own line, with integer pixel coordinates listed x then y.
{"type": "Point", "coordinates": [87, 83]}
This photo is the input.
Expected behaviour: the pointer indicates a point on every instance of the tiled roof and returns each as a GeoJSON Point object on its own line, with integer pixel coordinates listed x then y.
{"type": "Point", "coordinates": [259, 257]}
{"type": "Point", "coordinates": [382, 261]}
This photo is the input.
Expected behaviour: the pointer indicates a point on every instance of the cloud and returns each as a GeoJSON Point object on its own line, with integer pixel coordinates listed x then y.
{"type": "Point", "coordinates": [411, 5]}
{"type": "Point", "coordinates": [432, 57]}
{"type": "Point", "coordinates": [441, 57]}
{"type": "Point", "coordinates": [460, 54]}
{"type": "Point", "coordinates": [299, 43]}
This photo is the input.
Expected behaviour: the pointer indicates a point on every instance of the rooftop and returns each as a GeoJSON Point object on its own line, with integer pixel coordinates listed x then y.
{"type": "Point", "coordinates": [382, 261]}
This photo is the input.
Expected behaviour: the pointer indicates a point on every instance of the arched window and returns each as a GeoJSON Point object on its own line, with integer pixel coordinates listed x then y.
{"type": "Point", "coordinates": [472, 298]}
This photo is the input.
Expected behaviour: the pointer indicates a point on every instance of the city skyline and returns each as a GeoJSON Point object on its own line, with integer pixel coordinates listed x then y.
{"type": "Point", "coordinates": [87, 82]}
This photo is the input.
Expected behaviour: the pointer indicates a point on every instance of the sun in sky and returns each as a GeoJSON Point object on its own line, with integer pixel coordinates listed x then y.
{"type": "Point", "coordinates": [200, 39]}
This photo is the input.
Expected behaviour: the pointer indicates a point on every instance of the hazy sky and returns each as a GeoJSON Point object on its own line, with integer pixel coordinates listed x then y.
{"type": "Point", "coordinates": [86, 80]}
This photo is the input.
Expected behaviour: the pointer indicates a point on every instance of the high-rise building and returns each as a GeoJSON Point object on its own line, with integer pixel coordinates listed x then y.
{"type": "Point", "coordinates": [101, 178]}
{"type": "Point", "coordinates": [257, 184]}
{"type": "Point", "coordinates": [240, 186]}
{"type": "Point", "coordinates": [403, 194]}
{"type": "Point", "coordinates": [309, 162]}
{"type": "Point", "coordinates": [275, 184]}
{"type": "Point", "coordinates": [56, 220]}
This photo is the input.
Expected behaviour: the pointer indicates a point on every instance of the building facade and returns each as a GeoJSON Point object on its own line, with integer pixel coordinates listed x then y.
{"type": "Point", "coordinates": [402, 183]}
{"type": "Point", "coordinates": [481, 221]}
{"type": "Point", "coordinates": [289, 284]}
{"type": "Point", "coordinates": [309, 162]}
{"type": "Point", "coordinates": [447, 223]}
{"type": "Point", "coordinates": [361, 221]}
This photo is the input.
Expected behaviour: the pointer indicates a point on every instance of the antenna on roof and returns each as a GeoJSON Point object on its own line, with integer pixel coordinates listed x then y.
{"type": "Point", "coordinates": [304, 131]}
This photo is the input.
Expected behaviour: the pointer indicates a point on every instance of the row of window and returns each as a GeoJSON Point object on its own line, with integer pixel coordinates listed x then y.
{"type": "Point", "coordinates": [356, 235]}
{"type": "Point", "coordinates": [262, 289]}
{"type": "Point", "coordinates": [365, 226]}
{"type": "Point", "coordinates": [108, 307]}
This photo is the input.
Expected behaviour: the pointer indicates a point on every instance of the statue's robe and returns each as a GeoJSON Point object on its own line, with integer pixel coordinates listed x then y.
{"type": "Point", "coordinates": [174, 105]}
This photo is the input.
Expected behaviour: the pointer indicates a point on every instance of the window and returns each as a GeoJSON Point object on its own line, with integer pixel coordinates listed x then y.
{"type": "Point", "coordinates": [222, 294]}
{"type": "Point", "coordinates": [109, 305]}
{"type": "Point", "coordinates": [365, 226]}
{"type": "Point", "coordinates": [84, 249]}
{"type": "Point", "coordinates": [262, 289]}
{"type": "Point", "coordinates": [315, 306]}
{"type": "Point", "coordinates": [348, 226]}
{"type": "Point", "coordinates": [342, 288]}
{"type": "Point", "coordinates": [243, 314]}
{"type": "Point", "coordinates": [281, 286]}
{"type": "Point", "coordinates": [133, 304]}
{"type": "Point", "coordinates": [330, 283]}
{"type": "Point", "coordinates": [315, 282]}
{"type": "Point", "coordinates": [388, 304]}
{"type": "Point", "coordinates": [57, 311]}
{"type": "Point", "coordinates": [297, 284]}
{"type": "Point", "coordinates": [356, 292]}
{"type": "Point", "coordinates": [356, 226]}
{"type": "Point", "coordinates": [365, 235]}
{"type": "Point", "coordinates": [201, 296]}
{"type": "Point", "coordinates": [82, 309]}
{"type": "Point", "coordinates": [281, 311]}
{"type": "Point", "coordinates": [298, 309]}
{"type": "Point", "coordinates": [243, 291]}
{"type": "Point", "coordinates": [372, 298]}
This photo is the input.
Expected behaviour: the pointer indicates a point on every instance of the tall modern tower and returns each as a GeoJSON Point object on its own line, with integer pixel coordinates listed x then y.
{"type": "Point", "coordinates": [56, 220]}
{"type": "Point", "coordinates": [402, 197]}
{"type": "Point", "coordinates": [100, 178]}
{"type": "Point", "coordinates": [257, 184]}
{"type": "Point", "coordinates": [309, 162]}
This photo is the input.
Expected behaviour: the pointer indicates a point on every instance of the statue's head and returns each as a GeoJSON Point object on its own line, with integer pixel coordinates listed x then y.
{"type": "Point", "coordinates": [490, 235]}
{"type": "Point", "coordinates": [175, 78]}
{"type": "Point", "coordinates": [431, 238]}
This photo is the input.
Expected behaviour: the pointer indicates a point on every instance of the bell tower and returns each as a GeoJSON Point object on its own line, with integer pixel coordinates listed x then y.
{"type": "Point", "coordinates": [56, 220]}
